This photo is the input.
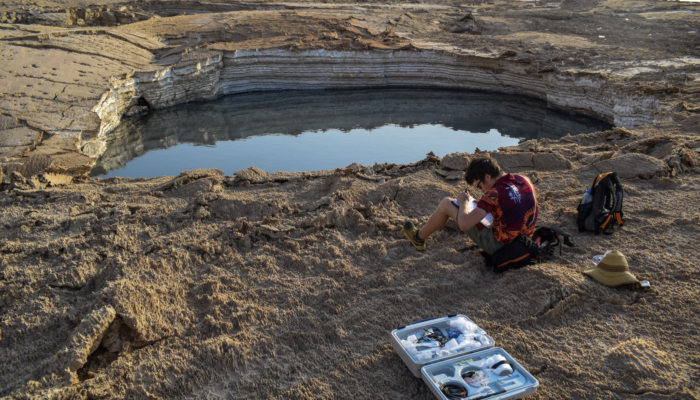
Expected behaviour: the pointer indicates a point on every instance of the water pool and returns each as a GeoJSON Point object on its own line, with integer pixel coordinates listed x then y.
{"type": "Point", "coordinates": [320, 130]}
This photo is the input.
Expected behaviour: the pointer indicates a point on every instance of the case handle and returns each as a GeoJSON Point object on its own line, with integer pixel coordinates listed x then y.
{"type": "Point", "coordinates": [423, 320]}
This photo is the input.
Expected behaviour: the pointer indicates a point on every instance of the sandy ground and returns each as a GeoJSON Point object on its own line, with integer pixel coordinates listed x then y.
{"type": "Point", "coordinates": [288, 285]}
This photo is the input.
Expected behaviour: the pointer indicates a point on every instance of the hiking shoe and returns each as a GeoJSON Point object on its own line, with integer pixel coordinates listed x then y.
{"type": "Point", "coordinates": [410, 231]}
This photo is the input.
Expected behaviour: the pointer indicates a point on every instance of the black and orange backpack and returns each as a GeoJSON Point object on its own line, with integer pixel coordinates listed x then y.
{"type": "Point", "coordinates": [605, 208]}
{"type": "Point", "coordinates": [524, 251]}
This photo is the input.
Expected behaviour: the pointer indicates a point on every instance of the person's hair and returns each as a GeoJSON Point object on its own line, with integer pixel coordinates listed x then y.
{"type": "Point", "coordinates": [479, 167]}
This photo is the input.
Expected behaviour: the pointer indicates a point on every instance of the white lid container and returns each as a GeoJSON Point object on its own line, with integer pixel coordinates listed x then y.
{"type": "Point", "coordinates": [415, 362]}
{"type": "Point", "coordinates": [485, 383]}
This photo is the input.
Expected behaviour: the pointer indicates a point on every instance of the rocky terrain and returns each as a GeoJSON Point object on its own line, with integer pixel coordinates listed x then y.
{"type": "Point", "coordinates": [287, 285]}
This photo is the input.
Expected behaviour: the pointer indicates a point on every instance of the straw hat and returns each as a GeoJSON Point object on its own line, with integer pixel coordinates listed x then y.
{"type": "Point", "coordinates": [612, 270]}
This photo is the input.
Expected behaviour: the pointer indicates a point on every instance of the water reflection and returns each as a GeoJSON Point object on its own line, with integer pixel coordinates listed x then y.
{"type": "Point", "coordinates": [330, 127]}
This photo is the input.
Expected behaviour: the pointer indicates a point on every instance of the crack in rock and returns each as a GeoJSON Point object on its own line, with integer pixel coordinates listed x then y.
{"type": "Point", "coordinates": [86, 339]}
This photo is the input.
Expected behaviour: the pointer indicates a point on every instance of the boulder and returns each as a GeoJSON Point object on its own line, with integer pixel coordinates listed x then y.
{"type": "Point", "coordinates": [455, 161]}
{"type": "Point", "coordinates": [663, 150]}
{"type": "Point", "coordinates": [7, 122]}
{"type": "Point", "coordinates": [252, 174]}
{"type": "Point", "coordinates": [633, 165]}
{"type": "Point", "coordinates": [30, 166]}
{"type": "Point", "coordinates": [450, 175]}
{"type": "Point", "coordinates": [201, 173]}
{"type": "Point", "coordinates": [56, 179]}
{"type": "Point", "coordinates": [550, 162]}
{"type": "Point", "coordinates": [94, 148]}
{"type": "Point", "coordinates": [512, 162]}
{"type": "Point", "coordinates": [190, 176]}
{"type": "Point", "coordinates": [70, 163]}
{"type": "Point", "coordinates": [9, 152]}
{"type": "Point", "coordinates": [192, 190]}
{"type": "Point", "coordinates": [19, 137]}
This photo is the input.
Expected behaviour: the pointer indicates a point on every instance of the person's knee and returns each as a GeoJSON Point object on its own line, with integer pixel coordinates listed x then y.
{"type": "Point", "coordinates": [445, 203]}
{"type": "Point", "coordinates": [447, 208]}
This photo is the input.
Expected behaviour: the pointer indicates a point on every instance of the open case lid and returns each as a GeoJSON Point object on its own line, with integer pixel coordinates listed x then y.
{"type": "Point", "coordinates": [474, 373]}
{"type": "Point", "coordinates": [402, 333]}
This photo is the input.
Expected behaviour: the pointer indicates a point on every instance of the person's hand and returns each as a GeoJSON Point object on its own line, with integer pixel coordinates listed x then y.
{"type": "Point", "coordinates": [462, 198]}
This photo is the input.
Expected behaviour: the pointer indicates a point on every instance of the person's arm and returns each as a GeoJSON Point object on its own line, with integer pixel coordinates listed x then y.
{"type": "Point", "coordinates": [467, 221]}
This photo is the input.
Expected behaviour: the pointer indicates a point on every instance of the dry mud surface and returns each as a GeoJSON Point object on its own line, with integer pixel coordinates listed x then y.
{"type": "Point", "coordinates": [287, 285]}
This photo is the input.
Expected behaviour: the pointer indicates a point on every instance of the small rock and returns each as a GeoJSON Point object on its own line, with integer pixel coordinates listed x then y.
{"type": "Point", "coordinates": [689, 157]}
{"type": "Point", "coordinates": [17, 177]}
{"type": "Point", "coordinates": [94, 148]}
{"type": "Point", "coordinates": [450, 175]}
{"type": "Point", "coordinates": [7, 122]}
{"type": "Point", "coordinates": [333, 35]}
{"type": "Point", "coordinates": [136, 110]}
{"type": "Point", "coordinates": [202, 213]}
{"type": "Point", "coordinates": [508, 54]}
{"type": "Point", "coordinates": [466, 23]}
{"type": "Point", "coordinates": [455, 176]}
{"type": "Point", "coordinates": [624, 132]}
{"type": "Point", "coordinates": [379, 167]}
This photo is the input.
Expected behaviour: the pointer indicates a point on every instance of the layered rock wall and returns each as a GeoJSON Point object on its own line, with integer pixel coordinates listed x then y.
{"type": "Point", "coordinates": [207, 74]}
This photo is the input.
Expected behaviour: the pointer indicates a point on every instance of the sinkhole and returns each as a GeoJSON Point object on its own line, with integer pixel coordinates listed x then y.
{"type": "Point", "coordinates": [321, 130]}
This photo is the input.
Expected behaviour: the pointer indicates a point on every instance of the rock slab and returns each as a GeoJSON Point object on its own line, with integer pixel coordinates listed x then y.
{"type": "Point", "coordinates": [633, 165]}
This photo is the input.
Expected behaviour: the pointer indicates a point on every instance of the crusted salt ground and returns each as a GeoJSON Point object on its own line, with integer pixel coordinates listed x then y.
{"type": "Point", "coordinates": [287, 285]}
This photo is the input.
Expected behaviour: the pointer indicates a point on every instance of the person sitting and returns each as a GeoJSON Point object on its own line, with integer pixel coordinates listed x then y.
{"type": "Point", "coordinates": [510, 199]}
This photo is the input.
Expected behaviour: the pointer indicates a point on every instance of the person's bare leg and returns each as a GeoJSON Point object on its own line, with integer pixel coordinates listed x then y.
{"type": "Point", "coordinates": [439, 218]}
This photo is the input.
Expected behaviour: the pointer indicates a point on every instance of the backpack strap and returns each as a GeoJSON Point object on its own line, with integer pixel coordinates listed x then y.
{"type": "Point", "coordinates": [607, 226]}
{"type": "Point", "coordinates": [599, 227]}
{"type": "Point", "coordinates": [618, 218]}
{"type": "Point", "coordinates": [515, 260]}
{"type": "Point", "coordinates": [619, 195]}
{"type": "Point", "coordinates": [610, 184]}
{"type": "Point", "coordinates": [600, 178]}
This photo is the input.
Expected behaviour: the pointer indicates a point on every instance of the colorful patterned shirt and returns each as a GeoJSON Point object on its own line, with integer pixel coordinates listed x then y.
{"type": "Point", "coordinates": [513, 204]}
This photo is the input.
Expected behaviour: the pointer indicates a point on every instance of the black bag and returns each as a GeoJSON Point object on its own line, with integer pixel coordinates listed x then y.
{"type": "Point", "coordinates": [605, 208]}
{"type": "Point", "coordinates": [549, 238]}
{"type": "Point", "coordinates": [524, 251]}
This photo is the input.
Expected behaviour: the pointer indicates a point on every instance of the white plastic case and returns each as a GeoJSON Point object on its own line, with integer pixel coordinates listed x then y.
{"type": "Point", "coordinates": [403, 332]}
{"type": "Point", "coordinates": [518, 384]}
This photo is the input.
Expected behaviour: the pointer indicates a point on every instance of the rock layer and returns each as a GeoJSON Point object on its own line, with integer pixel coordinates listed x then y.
{"type": "Point", "coordinates": [210, 74]}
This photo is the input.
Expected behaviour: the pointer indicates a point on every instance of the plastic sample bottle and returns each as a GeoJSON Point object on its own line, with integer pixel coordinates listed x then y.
{"type": "Point", "coordinates": [587, 197]}
{"type": "Point", "coordinates": [596, 259]}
